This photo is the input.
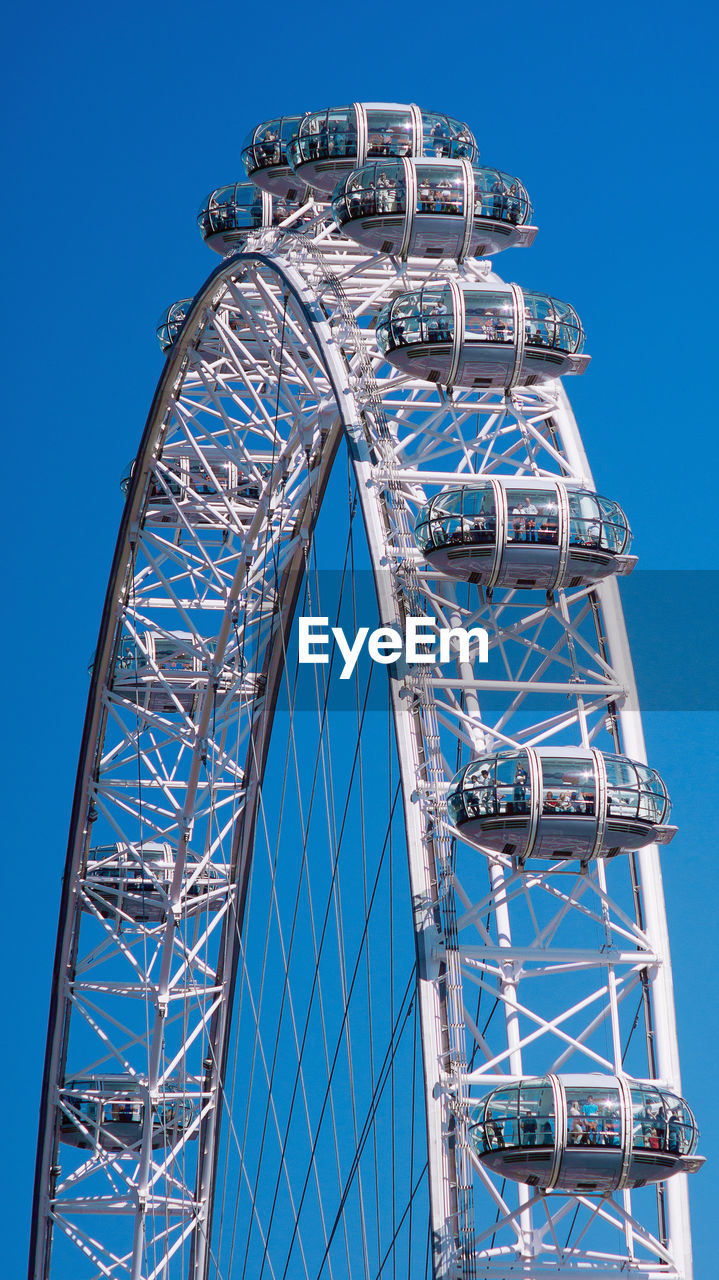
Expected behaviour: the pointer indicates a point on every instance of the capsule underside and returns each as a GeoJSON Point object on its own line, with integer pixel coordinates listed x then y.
{"type": "Point", "coordinates": [532, 566]}
{"type": "Point", "coordinates": [592, 1169]}
{"type": "Point", "coordinates": [483, 364]}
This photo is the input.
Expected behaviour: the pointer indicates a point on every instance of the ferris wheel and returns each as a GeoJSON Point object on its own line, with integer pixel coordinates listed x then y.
{"type": "Point", "coordinates": [360, 973]}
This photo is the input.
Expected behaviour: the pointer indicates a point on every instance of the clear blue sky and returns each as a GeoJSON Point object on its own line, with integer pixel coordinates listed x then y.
{"type": "Point", "coordinates": [119, 120]}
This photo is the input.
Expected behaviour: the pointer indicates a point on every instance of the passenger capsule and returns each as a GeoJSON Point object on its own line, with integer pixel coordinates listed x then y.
{"type": "Point", "coordinates": [166, 673]}
{"type": "Point", "coordinates": [481, 335]}
{"type": "Point", "coordinates": [107, 1113]}
{"type": "Point", "coordinates": [199, 489]}
{"type": "Point", "coordinates": [171, 321]}
{"type": "Point", "coordinates": [135, 883]}
{"type": "Point", "coordinates": [520, 531]}
{"type": "Point", "coordinates": [229, 214]}
{"type": "Point", "coordinates": [584, 1133]}
{"type": "Point", "coordinates": [559, 802]}
{"type": "Point", "coordinates": [433, 208]}
{"type": "Point", "coordinates": [264, 156]}
{"type": "Point", "coordinates": [329, 143]}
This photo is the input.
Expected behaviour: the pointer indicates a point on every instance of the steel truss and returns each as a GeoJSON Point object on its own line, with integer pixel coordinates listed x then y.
{"type": "Point", "coordinates": [519, 971]}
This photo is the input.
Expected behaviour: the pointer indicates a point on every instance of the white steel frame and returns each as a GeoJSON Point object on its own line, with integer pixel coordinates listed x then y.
{"type": "Point", "coordinates": [276, 360]}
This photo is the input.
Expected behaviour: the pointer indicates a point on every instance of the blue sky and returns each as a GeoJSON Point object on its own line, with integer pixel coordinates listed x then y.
{"type": "Point", "coordinates": [119, 121]}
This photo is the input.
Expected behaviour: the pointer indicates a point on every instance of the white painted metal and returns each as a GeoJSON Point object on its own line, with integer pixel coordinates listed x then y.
{"type": "Point", "coordinates": [292, 311]}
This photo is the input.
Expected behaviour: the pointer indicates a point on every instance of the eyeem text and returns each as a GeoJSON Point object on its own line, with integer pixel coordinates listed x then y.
{"type": "Point", "coordinates": [424, 641]}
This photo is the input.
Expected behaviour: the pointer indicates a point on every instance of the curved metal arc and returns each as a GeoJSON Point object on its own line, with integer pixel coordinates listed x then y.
{"type": "Point", "coordinates": [93, 732]}
{"type": "Point", "coordinates": [39, 1258]}
{"type": "Point", "coordinates": [410, 751]}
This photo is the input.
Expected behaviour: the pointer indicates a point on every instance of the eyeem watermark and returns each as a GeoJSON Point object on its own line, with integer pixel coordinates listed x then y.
{"type": "Point", "coordinates": [424, 641]}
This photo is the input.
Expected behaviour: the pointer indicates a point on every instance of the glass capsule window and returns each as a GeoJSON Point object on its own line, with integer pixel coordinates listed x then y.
{"type": "Point", "coordinates": [127, 1109]}
{"type": "Point", "coordinates": [198, 477]}
{"type": "Point", "coordinates": [550, 323]}
{"type": "Point", "coordinates": [491, 785]}
{"type": "Point", "coordinates": [446, 138]}
{"type": "Point", "coordinates": [122, 1111]}
{"type": "Point", "coordinates": [597, 523]}
{"type": "Point", "coordinates": [441, 189]}
{"type": "Point", "coordinates": [460, 516]}
{"type": "Point", "coordinates": [88, 1109]}
{"type": "Point", "coordinates": [371, 191]}
{"type": "Point", "coordinates": [171, 321]}
{"type": "Point", "coordinates": [662, 1122]}
{"type": "Point", "coordinates": [168, 657]}
{"type": "Point", "coordinates": [426, 316]}
{"type": "Point", "coordinates": [533, 516]}
{"type": "Point", "coordinates": [325, 134]}
{"type": "Point", "coordinates": [499, 784]}
{"type": "Point", "coordinates": [435, 317]}
{"type": "Point", "coordinates": [233, 208]}
{"type": "Point", "coordinates": [162, 489]}
{"type": "Point", "coordinates": [635, 791]}
{"type": "Point", "coordinates": [568, 786]}
{"type": "Point", "coordinates": [468, 516]}
{"type": "Point", "coordinates": [131, 657]}
{"type": "Point", "coordinates": [500, 197]}
{"type": "Point", "coordinates": [594, 1117]}
{"type": "Point", "coordinates": [130, 877]}
{"type": "Point", "coordinates": [488, 317]}
{"type": "Point", "coordinates": [522, 1116]}
{"type": "Point", "coordinates": [266, 146]}
{"type": "Point", "coordinates": [126, 477]}
{"type": "Point", "coordinates": [389, 132]}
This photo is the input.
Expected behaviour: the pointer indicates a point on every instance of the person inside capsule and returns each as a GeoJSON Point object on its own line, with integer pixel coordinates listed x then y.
{"type": "Point", "coordinates": [234, 208]}
{"type": "Point", "coordinates": [266, 144]}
